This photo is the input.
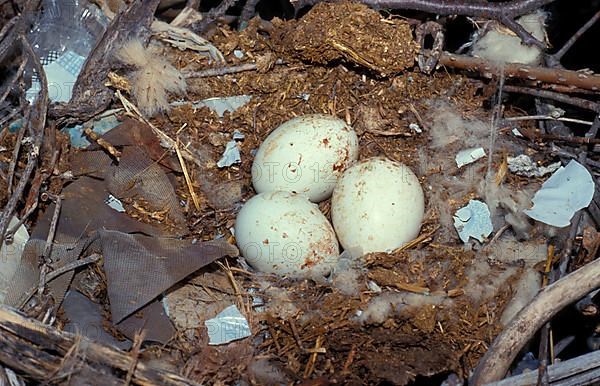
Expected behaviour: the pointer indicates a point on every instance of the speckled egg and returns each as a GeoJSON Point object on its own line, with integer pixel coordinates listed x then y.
{"type": "Point", "coordinates": [377, 206]}
{"type": "Point", "coordinates": [286, 234]}
{"type": "Point", "coordinates": [305, 155]}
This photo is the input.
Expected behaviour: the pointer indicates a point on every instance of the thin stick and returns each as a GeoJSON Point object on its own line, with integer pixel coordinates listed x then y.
{"type": "Point", "coordinates": [36, 122]}
{"type": "Point", "coordinates": [14, 79]}
{"type": "Point", "coordinates": [547, 118]}
{"type": "Point", "coordinates": [10, 116]}
{"type": "Point", "coordinates": [224, 70]}
{"type": "Point", "coordinates": [545, 94]}
{"type": "Point", "coordinates": [248, 12]}
{"type": "Point", "coordinates": [72, 266]}
{"type": "Point", "coordinates": [186, 175]}
{"type": "Point", "coordinates": [567, 46]}
{"type": "Point", "coordinates": [15, 158]}
{"type": "Point", "coordinates": [593, 131]}
{"type": "Point", "coordinates": [46, 261]}
{"type": "Point", "coordinates": [135, 355]}
{"type": "Point", "coordinates": [104, 144]}
{"type": "Point", "coordinates": [310, 366]}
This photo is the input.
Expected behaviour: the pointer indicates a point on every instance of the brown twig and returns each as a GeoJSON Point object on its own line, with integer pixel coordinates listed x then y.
{"type": "Point", "coordinates": [15, 158]}
{"type": "Point", "coordinates": [593, 131]}
{"type": "Point", "coordinates": [545, 94]}
{"type": "Point", "coordinates": [135, 355]}
{"type": "Point", "coordinates": [224, 70]}
{"type": "Point", "coordinates": [104, 144]}
{"type": "Point", "coordinates": [46, 260]}
{"type": "Point", "coordinates": [521, 71]}
{"type": "Point", "coordinates": [215, 13]}
{"type": "Point", "coordinates": [36, 123]}
{"type": "Point", "coordinates": [72, 266]}
{"type": "Point", "coordinates": [10, 84]}
{"type": "Point", "coordinates": [10, 116]}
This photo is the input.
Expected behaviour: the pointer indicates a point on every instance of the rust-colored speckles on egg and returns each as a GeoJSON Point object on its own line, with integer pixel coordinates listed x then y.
{"type": "Point", "coordinates": [325, 141]}
{"type": "Point", "coordinates": [266, 241]}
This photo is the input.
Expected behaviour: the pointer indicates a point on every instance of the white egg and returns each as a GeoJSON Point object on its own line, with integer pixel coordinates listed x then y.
{"type": "Point", "coordinates": [305, 155]}
{"type": "Point", "coordinates": [377, 206]}
{"type": "Point", "coordinates": [285, 233]}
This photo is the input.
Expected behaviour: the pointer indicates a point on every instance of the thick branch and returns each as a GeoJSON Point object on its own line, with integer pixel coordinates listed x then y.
{"type": "Point", "coordinates": [42, 352]}
{"type": "Point", "coordinates": [521, 71]}
{"type": "Point", "coordinates": [495, 363]}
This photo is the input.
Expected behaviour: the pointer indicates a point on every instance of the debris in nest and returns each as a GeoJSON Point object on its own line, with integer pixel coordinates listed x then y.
{"type": "Point", "coordinates": [62, 74]}
{"type": "Point", "coordinates": [523, 165]}
{"type": "Point", "coordinates": [568, 190]}
{"type": "Point", "coordinates": [86, 318]}
{"type": "Point", "coordinates": [468, 156]}
{"type": "Point", "coordinates": [474, 221]}
{"type": "Point", "coordinates": [10, 256]}
{"type": "Point", "coordinates": [227, 326]}
{"type": "Point", "coordinates": [231, 154]}
{"type": "Point", "coordinates": [153, 79]}
{"type": "Point", "coordinates": [114, 203]}
{"type": "Point", "coordinates": [221, 105]}
{"type": "Point", "coordinates": [415, 127]}
{"type": "Point", "coordinates": [63, 36]}
{"type": "Point", "coordinates": [100, 125]}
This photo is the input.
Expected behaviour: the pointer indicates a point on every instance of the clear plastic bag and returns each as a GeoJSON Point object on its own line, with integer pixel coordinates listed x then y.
{"type": "Point", "coordinates": [63, 35]}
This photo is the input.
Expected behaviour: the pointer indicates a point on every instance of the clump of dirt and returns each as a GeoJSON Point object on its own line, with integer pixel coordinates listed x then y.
{"type": "Point", "coordinates": [354, 32]}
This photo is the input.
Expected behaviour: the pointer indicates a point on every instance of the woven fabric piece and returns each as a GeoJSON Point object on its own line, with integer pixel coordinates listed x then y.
{"type": "Point", "coordinates": [139, 268]}
{"type": "Point", "coordinates": [141, 261]}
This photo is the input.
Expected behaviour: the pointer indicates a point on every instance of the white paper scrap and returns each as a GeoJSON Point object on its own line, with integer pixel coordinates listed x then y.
{"type": "Point", "coordinates": [474, 221]}
{"type": "Point", "coordinates": [568, 190]}
{"type": "Point", "coordinates": [227, 326]}
{"type": "Point", "coordinates": [468, 156]}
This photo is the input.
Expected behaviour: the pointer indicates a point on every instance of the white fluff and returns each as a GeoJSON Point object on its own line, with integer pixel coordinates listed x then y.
{"type": "Point", "coordinates": [503, 46]}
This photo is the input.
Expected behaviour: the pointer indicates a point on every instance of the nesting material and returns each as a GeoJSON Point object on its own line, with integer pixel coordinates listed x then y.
{"type": "Point", "coordinates": [523, 165]}
{"type": "Point", "coordinates": [468, 156]}
{"type": "Point", "coordinates": [153, 79]}
{"type": "Point", "coordinates": [503, 46]}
